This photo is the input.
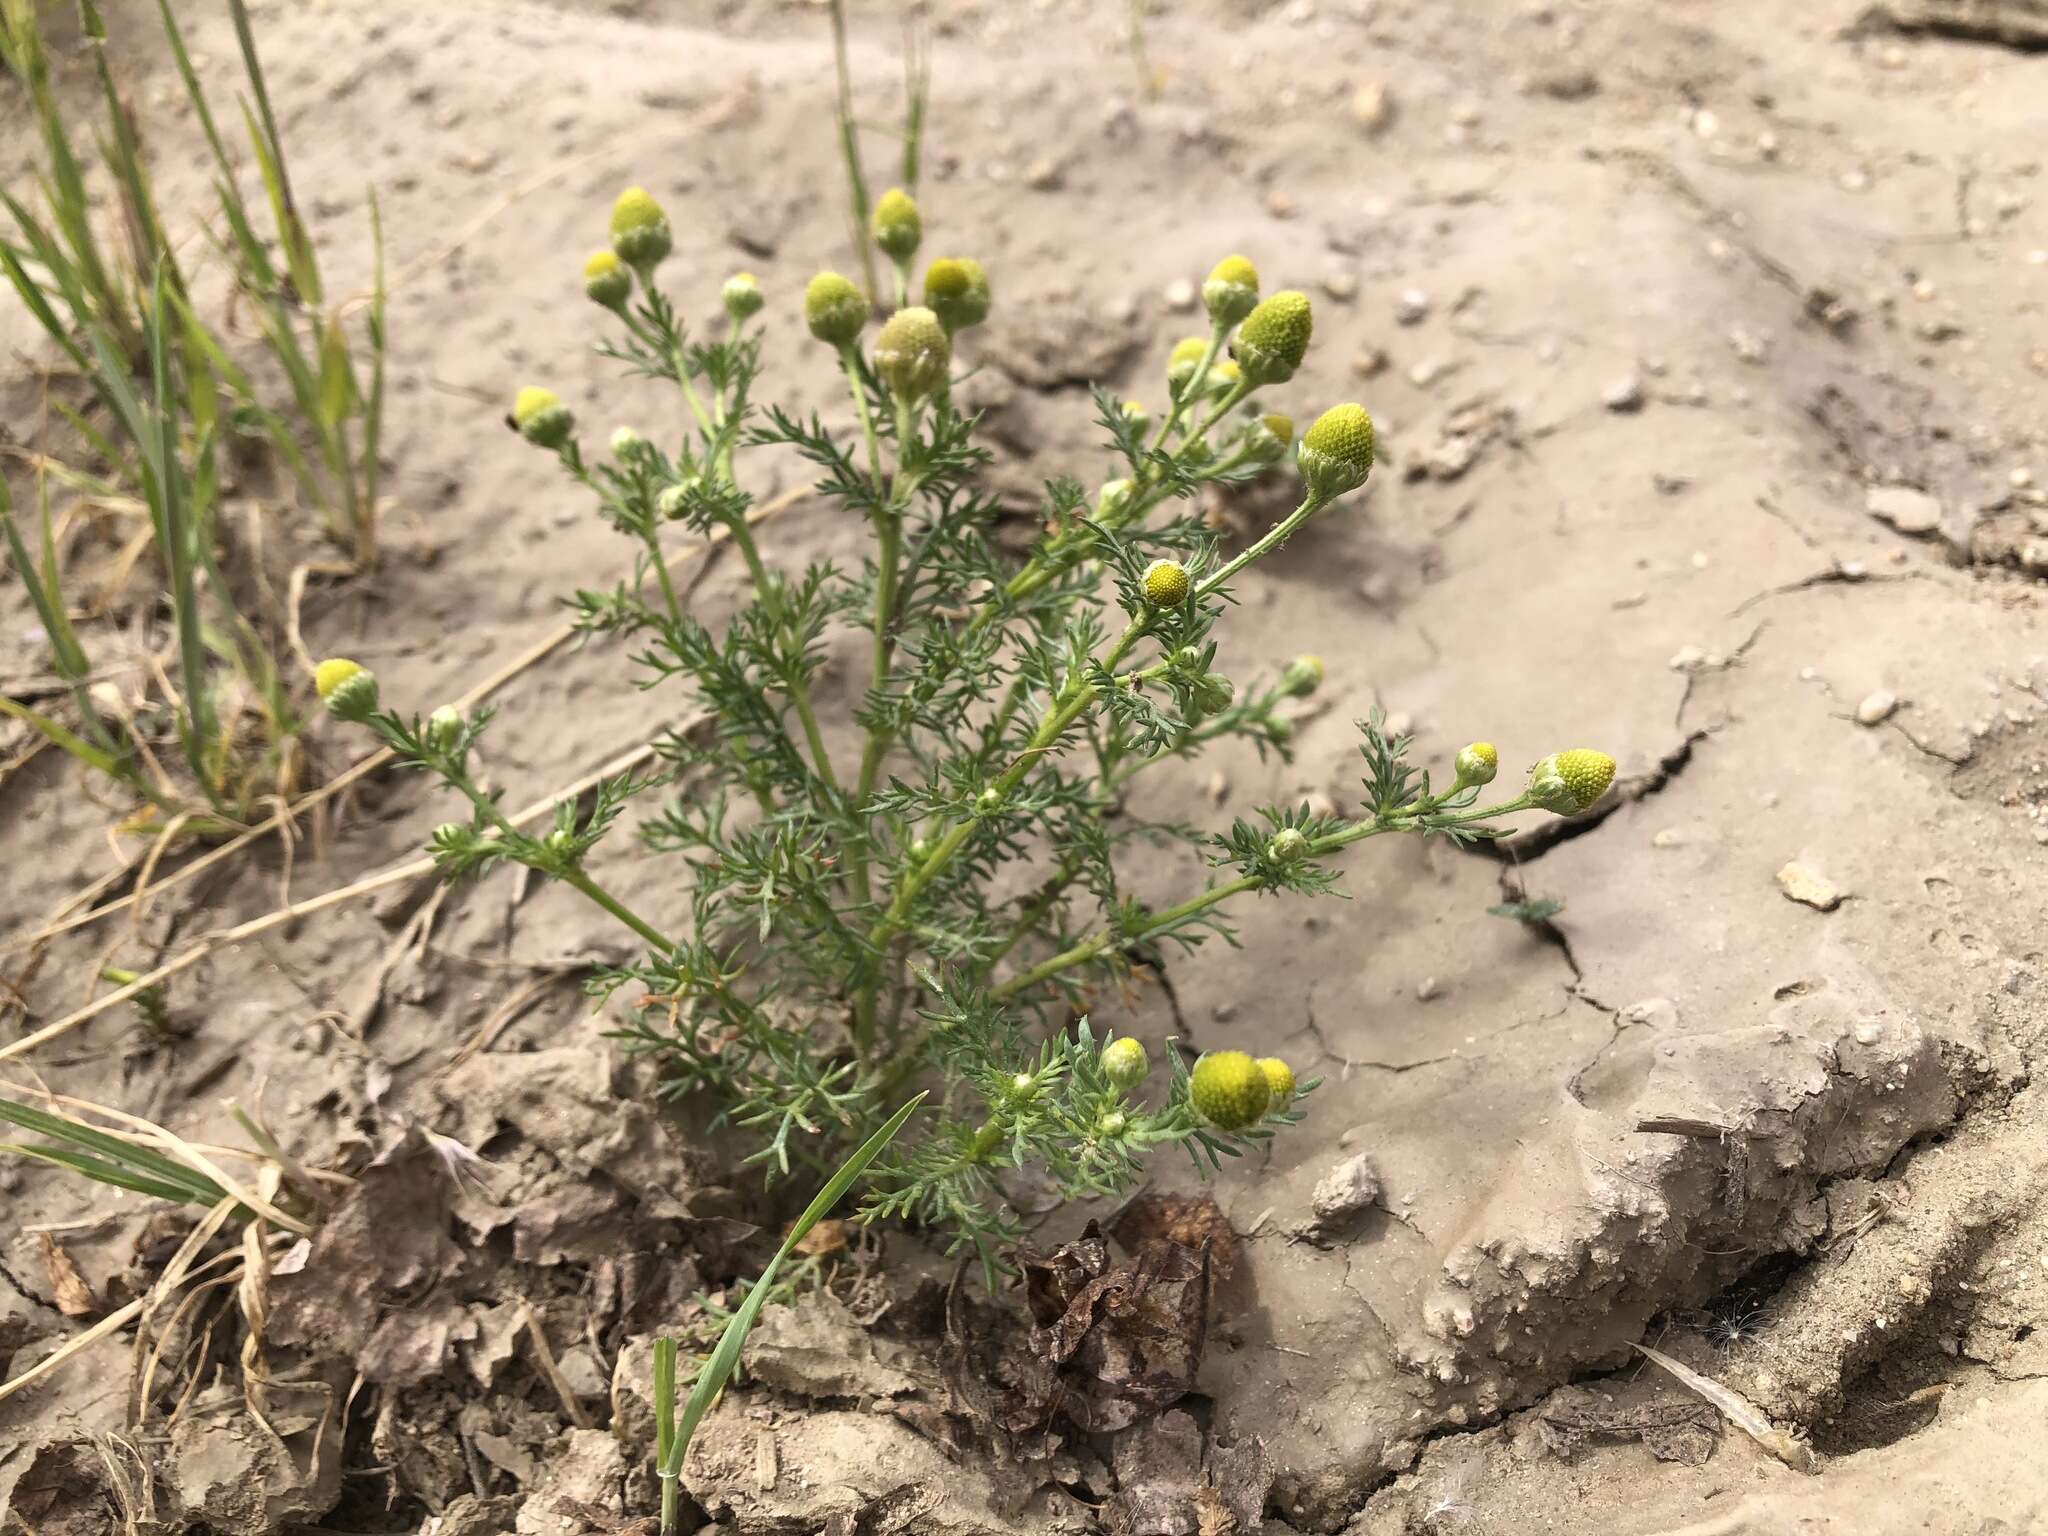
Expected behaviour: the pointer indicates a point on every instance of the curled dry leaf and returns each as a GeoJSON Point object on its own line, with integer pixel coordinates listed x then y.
{"type": "Point", "coordinates": [1121, 1342]}
{"type": "Point", "coordinates": [73, 1294]}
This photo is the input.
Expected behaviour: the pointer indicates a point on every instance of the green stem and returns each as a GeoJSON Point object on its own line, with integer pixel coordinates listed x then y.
{"type": "Point", "coordinates": [799, 690]}
{"type": "Point", "coordinates": [1406, 819]}
{"type": "Point", "coordinates": [576, 878]}
{"type": "Point", "coordinates": [1071, 703]}
{"type": "Point", "coordinates": [1274, 537]}
{"type": "Point", "coordinates": [1107, 938]}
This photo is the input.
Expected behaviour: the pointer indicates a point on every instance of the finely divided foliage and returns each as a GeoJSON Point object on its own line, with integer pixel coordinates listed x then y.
{"type": "Point", "coordinates": [935, 913]}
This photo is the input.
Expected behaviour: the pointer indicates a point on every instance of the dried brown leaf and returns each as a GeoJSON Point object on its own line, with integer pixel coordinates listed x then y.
{"type": "Point", "coordinates": [73, 1295]}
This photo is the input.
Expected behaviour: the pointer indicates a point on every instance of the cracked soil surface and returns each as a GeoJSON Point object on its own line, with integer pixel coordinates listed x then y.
{"type": "Point", "coordinates": [1682, 288]}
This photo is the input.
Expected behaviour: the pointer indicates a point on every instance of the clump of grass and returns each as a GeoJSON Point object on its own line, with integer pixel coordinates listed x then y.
{"type": "Point", "coordinates": [225, 673]}
{"type": "Point", "coordinates": [169, 399]}
{"type": "Point", "coordinates": [935, 905]}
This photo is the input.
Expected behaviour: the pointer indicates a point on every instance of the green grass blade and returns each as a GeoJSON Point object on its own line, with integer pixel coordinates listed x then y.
{"type": "Point", "coordinates": [139, 1160]}
{"type": "Point", "coordinates": [291, 233]}
{"type": "Point", "coordinates": [726, 1357]}
{"type": "Point", "coordinates": [58, 736]}
{"type": "Point", "coordinates": [103, 1172]}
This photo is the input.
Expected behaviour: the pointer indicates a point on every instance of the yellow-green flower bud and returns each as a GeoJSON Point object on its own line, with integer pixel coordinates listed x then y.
{"type": "Point", "coordinates": [1112, 500]}
{"type": "Point", "coordinates": [1023, 1087]}
{"type": "Point", "coordinates": [561, 841]}
{"type": "Point", "coordinates": [898, 226]}
{"type": "Point", "coordinates": [1186, 357]}
{"type": "Point", "coordinates": [347, 688]}
{"type": "Point", "coordinates": [1287, 846]}
{"type": "Point", "coordinates": [956, 290]}
{"type": "Point", "coordinates": [674, 501]}
{"type": "Point", "coordinates": [912, 353]}
{"type": "Point", "coordinates": [1112, 1124]}
{"type": "Point", "coordinates": [608, 280]}
{"type": "Point", "coordinates": [1302, 676]}
{"type": "Point", "coordinates": [1569, 782]}
{"type": "Point", "coordinates": [640, 232]}
{"type": "Point", "coordinates": [989, 801]}
{"type": "Point", "coordinates": [1478, 762]}
{"type": "Point", "coordinates": [1125, 1063]}
{"type": "Point", "coordinates": [444, 728]}
{"type": "Point", "coordinates": [1279, 1083]}
{"type": "Point", "coordinates": [1268, 438]}
{"type": "Point", "coordinates": [1224, 376]}
{"type": "Point", "coordinates": [1136, 414]}
{"type": "Point", "coordinates": [541, 417]}
{"type": "Point", "coordinates": [834, 309]}
{"type": "Point", "coordinates": [1232, 291]}
{"type": "Point", "coordinates": [627, 444]}
{"type": "Point", "coordinates": [1229, 1090]}
{"type": "Point", "coordinates": [1336, 453]}
{"type": "Point", "coordinates": [1274, 338]}
{"type": "Point", "coordinates": [1167, 584]}
{"type": "Point", "coordinates": [1214, 692]}
{"type": "Point", "coordinates": [742, 297]}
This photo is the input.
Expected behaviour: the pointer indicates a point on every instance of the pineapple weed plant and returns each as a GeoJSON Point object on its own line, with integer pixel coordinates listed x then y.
{"type": "Point", "coordinates": [849, 932]}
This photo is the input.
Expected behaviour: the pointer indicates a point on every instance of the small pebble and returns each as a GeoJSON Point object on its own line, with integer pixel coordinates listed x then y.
{"type": "Point", "coordinates": [1809, 887]}
{"type": "Point", "coordinates": [1624, 396]}
{"type": "Point", "coordinates": [1180, 294]}
{"type": "Point", "coordinates": [1412, 307]}
{"type": "Point", "coordinates": [1903, 508]}
{"type": "Point", "coordinates": [1341, 286]}
{"type": "Point", "coordinates": [1876, 708]}
{"type": "Point", "coordinates": [1428, 990]}
{"type": "Point", "coordinates": [1372, 108]}
{"type": "Point", "coordinates": [1345, 1190]}
{"type": "Point", "coordinates": [1042, 176]}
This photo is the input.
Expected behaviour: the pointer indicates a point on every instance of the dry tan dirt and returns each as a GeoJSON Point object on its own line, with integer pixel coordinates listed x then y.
{"type": "Point", "coordinates": [1652, 304]}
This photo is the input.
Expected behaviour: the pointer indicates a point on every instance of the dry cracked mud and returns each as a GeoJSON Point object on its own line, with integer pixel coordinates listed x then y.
{"type": "Point", "coordinates": [1658, 308]}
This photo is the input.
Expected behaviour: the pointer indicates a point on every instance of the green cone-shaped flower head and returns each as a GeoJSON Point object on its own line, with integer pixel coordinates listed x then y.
{"type": "Point", "coordinates": [1125, 1063]}
{"type": "Point", "coordinates": [1232, 291]}
{"type": "Point", "coordinates": [1287, 846]}
{"type": "Point", "coordinates": [1267, 438]}
{"type": "Point", "coordinates": [541, 417]}
{"type": "Point", "coordinates": [956, 290]}
{"type": "Point", "coordinates": [347, 688]}
{"type": "Point", "coordinates": [1336, 453]}
{"type": "Point", "coordinates": [1224, 377]}
{"type": "Point", "coordinates": [742, 297]}
{"type": "Point", "coordinates": [898, 225]}
{"type": "Point", "coordinates": [834, 309]}
{"type": "Point", "coordinates": [1569, 782]}
{"type": "Point", "coordinates": [912, 353]}
{"type": "Point", "coordinates": [1274, 338]}
{"type": "Point", "coordinates": [1302, 676]}
{"type": "Point", "coordinates": [1478, 762]}
{"type": "Point", "coordinates": [1167, 584]}
{"type": "Point", "coordinates": [444, 728]}
{"type": "Point", "coordinates": [1185, 358]}
{"type": "Point", "coordinates": [1214, 693]}
{"type": "Point", "coordinates": [1230, 1091]}
{"type": "Point", "coordinates": [1279, 1081]}
{"type": "Point", "coordinates": [607, 280]}
{"type": "Point", "coordinates": [640, 232]}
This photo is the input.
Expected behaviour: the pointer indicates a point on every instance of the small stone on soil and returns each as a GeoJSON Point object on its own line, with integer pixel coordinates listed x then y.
{"type": "Point", "coordinates": [1372, 108]}
{"type": "Point", "coordinates": [1809, 887]}
{"type": "Point", "coordinates": [1624, 396]}
{"type": "Point", "coordinates": [1345, 1190]}
{"type": "Point", "coordinates": [1180, 294]}
{"type": "Point", "coordinates": [1904, 508]}
{"type": "Point", "coordinates": [1876, 708]}
{"type": "Point", "coordinates": [1412, 307]}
